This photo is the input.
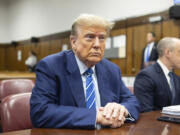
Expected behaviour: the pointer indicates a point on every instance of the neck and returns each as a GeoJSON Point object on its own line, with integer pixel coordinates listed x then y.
{"type": "Point", "coordinates": [150, 42]}
{"type": "Point", "coordinates": [166, 63]}
{"type": "Point", "coordinates": [89, 65]}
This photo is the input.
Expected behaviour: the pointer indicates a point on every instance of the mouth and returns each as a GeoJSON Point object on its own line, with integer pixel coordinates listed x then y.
{"type": "Point", "coordinates": [95, 54]}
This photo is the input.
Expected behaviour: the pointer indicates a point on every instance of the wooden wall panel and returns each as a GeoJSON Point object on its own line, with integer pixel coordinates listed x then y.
{"type": "Point", "coordinates": [170, 28]}
{"type": "Point", "coordinates": [129, 52]}
{"type": "Point", "coordinates": [2, 58]}
{"type": "Point", "coordinates": [121, 63]}
{"type": "Point", "coordinates": [139, 40]}
{"type": "Point", "coordinates": [44, 48]}
{"type": "Point", "coordinates": [11, 58]}
{"type": "Point", "coordinates": [66, 41]}
{"type": "Point", "coordinates": [55, 46]}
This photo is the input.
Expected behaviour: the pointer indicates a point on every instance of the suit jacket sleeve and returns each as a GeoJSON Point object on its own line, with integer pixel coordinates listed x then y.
{"type": "Point", "coordinates": [46, 110]}
{"type": "Point", "coordinates": [144, 91]}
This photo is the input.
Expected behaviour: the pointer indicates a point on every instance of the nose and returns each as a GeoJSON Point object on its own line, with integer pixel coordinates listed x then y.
{"type": "Point", "coordinates": [96, 43]}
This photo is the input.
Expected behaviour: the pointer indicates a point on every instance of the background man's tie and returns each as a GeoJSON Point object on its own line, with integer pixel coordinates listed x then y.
{"type": "Point", "coordinates": [172, 87]}
{"type": "Point", "coordinates": [90, 91]}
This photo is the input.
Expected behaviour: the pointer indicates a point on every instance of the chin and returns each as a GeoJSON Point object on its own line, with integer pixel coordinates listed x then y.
{"type": "Point", "coordinates": [95, 60]}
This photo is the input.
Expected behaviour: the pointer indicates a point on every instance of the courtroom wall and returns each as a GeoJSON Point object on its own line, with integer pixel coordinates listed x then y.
{"type": "Point", "coordinates": [4, 22]}
{"type": "Point", "coordinates": [135, 30]}
{"type": "Point", "coordinates": [27, 18]}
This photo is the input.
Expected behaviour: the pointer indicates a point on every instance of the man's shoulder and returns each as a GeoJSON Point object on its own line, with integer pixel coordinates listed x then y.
{"type": "Point", "coordinates": [108, 67]}
{"type": "Point", "coordinates": [150, 71]}
{"type": "Point", "coordinates": [108, 63]}
{"type": "Point", "coordinates": [57, 56]}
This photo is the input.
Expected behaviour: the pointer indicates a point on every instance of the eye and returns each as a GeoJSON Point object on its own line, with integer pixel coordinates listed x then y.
{"type": "Point", "coordinates": [102, 38]}
{"type": "Point", "coordinates": [90, 37]}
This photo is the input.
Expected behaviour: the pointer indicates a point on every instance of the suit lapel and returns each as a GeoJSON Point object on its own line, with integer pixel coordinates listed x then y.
{"type": "Point", "coordinates": [176, 83]}
{"type": "Point", "coordinates": [162, 76]}
{"type": "Point", "coordinates": [102, 84]}
{"type": "Point", "coordinates": [74, 80]}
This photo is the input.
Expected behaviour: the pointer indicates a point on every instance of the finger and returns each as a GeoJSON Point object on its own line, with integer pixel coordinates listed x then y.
{"type": "Point", "coordinates": [119, 124]}
{"type": "Point", "coordinates": [110, 110]}
{"type": "Point", "coordinates": [115, 111]}
{"type": "Point", "coordinates": [123, 120]}
{"type": "Point", "coordinates": [116, 124]}
{"type": "Point", "coordinates": [122, 113]}
{"type": "Point", "coordinates": [102, 120]}
{"type": "Point", "coordinates": [107, 110]}
{"type": "Point", "coordinates": [101, 108]}
{"type": "Point", "coordinates": [125, 111]}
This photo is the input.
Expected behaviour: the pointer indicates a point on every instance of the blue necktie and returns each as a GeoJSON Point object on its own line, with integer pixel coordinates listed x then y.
{"type": "Point", "coordinates": [172, 87]}
{"type": "Point", "coordinates": [147, 54]}
{"type": "Point", "coordinates": [90, 92]}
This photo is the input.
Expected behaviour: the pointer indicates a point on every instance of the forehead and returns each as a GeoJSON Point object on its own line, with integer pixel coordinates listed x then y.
{"type": "Point", "coordinates": [91, 30]}
{"type": "Point", "coordinates": [178, 45]}
{"type": "Point", "coordinates": [149, 35]}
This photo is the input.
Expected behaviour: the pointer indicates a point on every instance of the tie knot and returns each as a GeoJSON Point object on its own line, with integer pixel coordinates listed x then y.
{"type": "Point", "coordinates": [89, 71]}
{"type": "Point", "coordinates": [170, 74]}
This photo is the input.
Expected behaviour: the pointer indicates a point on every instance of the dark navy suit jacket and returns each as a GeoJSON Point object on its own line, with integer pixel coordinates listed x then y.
{"type": "Point", "coordinates": [58, 97]}
{"type": "Point", "coordinates": [152, 89]}
{"type": "Point", "coordinates": [153, 55]}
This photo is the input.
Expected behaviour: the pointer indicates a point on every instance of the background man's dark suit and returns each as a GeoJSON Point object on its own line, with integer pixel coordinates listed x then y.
{"type": "Point", "coordinates": [152, 90]}
{"type": "Point", "coordinates": [153, 55]}
{"type": "Point", "coordinates": [58, 98]}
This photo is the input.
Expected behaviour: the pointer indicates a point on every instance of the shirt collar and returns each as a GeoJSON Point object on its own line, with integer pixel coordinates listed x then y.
{"type": "Point", "coordinates": [82, 66]}
{"type": "Point", "coordinates": [151, 44]}
{"type": "Point", "coordinates": [164, 68]}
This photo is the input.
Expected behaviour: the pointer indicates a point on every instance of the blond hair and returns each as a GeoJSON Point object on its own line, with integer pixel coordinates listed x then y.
{"type": "Point", "coordinates": [91, 20]}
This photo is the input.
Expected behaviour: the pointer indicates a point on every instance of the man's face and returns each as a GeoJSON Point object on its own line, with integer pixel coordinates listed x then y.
{"type": "Point", "coordinates": [150, 38]}
{"type": "Point", "coordinates": [175, 57]}
{"type": "Point", "coordinates": [89, 44]}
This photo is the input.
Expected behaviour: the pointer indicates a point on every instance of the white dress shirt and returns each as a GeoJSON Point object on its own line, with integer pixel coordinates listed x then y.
{"type": "Point", "coordinates": [166, 71]}
{"type": "Point", "coordinates": [31, 61]}
{"type": "Point", "coordinates": [83, 68]}
{"type": "Point", "coordinates": [151, 45]}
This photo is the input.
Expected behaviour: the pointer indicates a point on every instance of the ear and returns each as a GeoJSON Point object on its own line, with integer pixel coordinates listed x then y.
{"type": "Point", "coordinates": [167, 52]}
{"type": "Point", "coordinates": [73, 40]}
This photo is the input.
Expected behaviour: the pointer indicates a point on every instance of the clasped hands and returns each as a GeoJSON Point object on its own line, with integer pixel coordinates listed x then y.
{"type": "Point", "coordinates": [113, 115]}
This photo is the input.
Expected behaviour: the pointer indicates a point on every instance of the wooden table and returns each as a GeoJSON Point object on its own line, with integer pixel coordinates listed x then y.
{"type": "Point", "coordinates": [17, 75]}
{"type": "Point", "coordinates": [146, 125]}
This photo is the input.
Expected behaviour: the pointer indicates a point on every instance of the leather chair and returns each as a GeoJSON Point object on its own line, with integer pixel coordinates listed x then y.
{"type": "Point", "coordinates": [14, 86]}
{"type": "Point", "coordinates": [15, 112]}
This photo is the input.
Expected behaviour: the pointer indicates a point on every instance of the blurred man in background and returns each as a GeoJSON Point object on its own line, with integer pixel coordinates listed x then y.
{"type": "Point", "coordinates": [149, 54]}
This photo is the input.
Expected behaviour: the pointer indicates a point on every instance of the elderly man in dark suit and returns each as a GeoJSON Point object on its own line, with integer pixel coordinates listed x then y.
{"type": "Point", "coordinates": [80, 89]}
{"type": "Point", "coordinates": [157, 86]}
{"type": "Point", "coordinates": [149, 54]}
